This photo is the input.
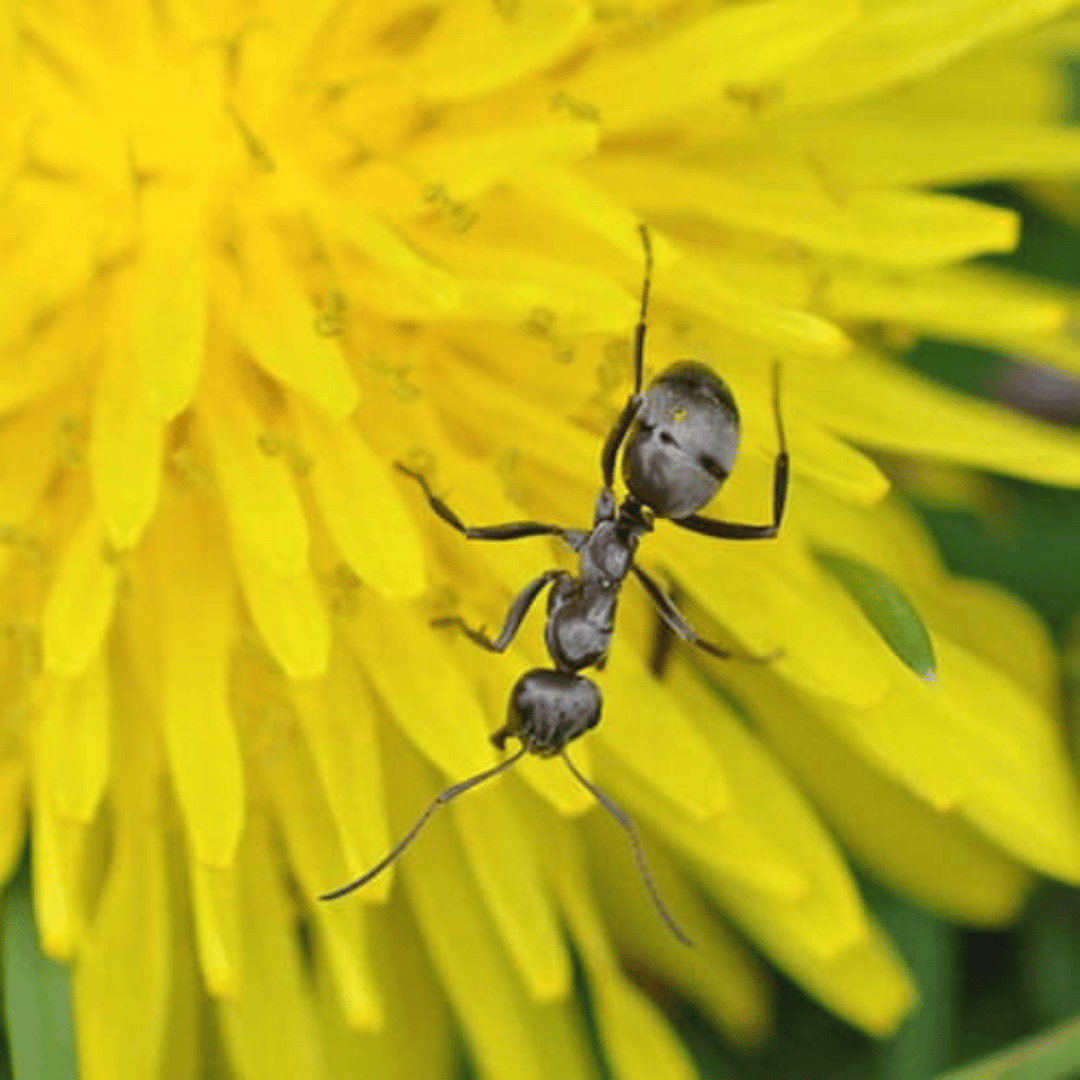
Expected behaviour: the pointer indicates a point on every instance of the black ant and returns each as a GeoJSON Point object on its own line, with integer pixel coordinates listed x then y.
{"type": "Point", "coordinates": [682, 437]}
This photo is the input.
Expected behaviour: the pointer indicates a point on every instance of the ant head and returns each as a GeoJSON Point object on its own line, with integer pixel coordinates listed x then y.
{"type": "Point", "coordinates": [549, 709]}
{"type": "Point", "coordinates": [683, 443]}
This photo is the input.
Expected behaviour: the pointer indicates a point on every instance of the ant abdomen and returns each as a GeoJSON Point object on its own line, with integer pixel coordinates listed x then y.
{"type": "Point", "coordinates": [683, 443]}
{"type": "Point", "coordinates": [549, 709]}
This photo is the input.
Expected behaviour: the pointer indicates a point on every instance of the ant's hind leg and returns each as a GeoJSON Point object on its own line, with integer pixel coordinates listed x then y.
{"type": "Point", "coordinates": [514, 617]}
{"type": "Point", "coordinates": [674, 619]}
{"type": "Point", "coordinates": [511, 530]}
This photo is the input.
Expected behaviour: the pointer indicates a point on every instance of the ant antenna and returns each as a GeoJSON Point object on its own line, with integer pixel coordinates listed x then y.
{"type": "Point", "coordinates": [441, 799]}
{"type": "Point", "coordinates": [623, 819]}
{"type": "Point", "coordinates": [639, 331]}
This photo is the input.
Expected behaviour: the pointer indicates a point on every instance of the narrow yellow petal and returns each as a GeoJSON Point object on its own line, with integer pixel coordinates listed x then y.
{"type": "Point", "coordinates": [338, 721]}
{"type": "Point", "coordinates": [417, 1039]}
{"type": "Point", "coordinates": [60, 855]}
{"type": "Point", "coordinates": [198, 601]}
{"type": "Point", "coordinates": [170, 297]}
{"type": "Point", "coordinates": [477, 48]}
{"type": "Point", "coordinates": [828, 917]}
{"type": "Point", "coordinates": [122, 994]}
{"type": "Point", "coordinates": [693, 282]}
{"type": "Point", "coordinates": [361, 505]}
{"type": "Point", "coordinates": [82, 596]}
{"type": "Point", "coordinates": [75, 737]}
{"type": "Point", "coordinates": [892, 43]}
{"type": "Point", "coordinates": [887, 142]}
{"type": "Point", "coordinates": [964, 877]}
{"type": "Point", "coordinates": [315, 856]}
{"type": "Point", "coordinates": [517, 899]}
{"type": "Point", "coordinates": [216, 906]}
{"type": "Point", "coordinates": [483, 988]}
{"type": "Point", "coordinates": [692, 65]}
{"type": "Point", "coordinates": [126, 442]}
{"type": "Point", "coordinates": [650, 735]}
{"type": "Point", "coordinates": [505, 283]}
{"type": "Point", "coordinates": [13, 800]}
{"type": "Point", "coordinates": [867, 985]}
{"type": "Point", "coordinates": [637, 1040]}
{"type": "Point", "coordinates": [881, 404]}
{"type": "Point", "coordinates": [735, 844]}
{"type": "Point", "coordinates": [288, 612]}
{"type": "Point", "coordinates": [422, 687]}
{"type": "Point", "coordinates": [901, 228]}
{"type": "Point", "coordinates": [269, 1029]}
{"type": "Point", "coordinates": [771, 596]}
{"type": "Point", "coordinates": [720, 976]}
{"type": "Point", "coordinates": [257, 487]}
{"type": "Point", "coordinates": [466, 166]}
{"type": "Point", "coordinates": [277, 323]}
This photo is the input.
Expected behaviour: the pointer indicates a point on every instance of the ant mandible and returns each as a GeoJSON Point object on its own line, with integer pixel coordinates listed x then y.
{"type": "Point", "coordinates": [682, 437]}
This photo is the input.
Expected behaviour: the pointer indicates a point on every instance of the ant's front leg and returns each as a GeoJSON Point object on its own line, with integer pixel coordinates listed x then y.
{"type": "Point", "coordinates": [676, 621]}
{"type": "Point", "coordinates": [736, 530]}
{"type": "Point", "coordinates": [514, 617]}
{"type": "Point", "coordinates": [511, 530]}
{"type": "Point", "coordinates": [615, 436]}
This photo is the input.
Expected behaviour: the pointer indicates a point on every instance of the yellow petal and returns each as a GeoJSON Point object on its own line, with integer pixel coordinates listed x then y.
{"type": "Point", "coordinates": [881, 404]}
{"type": "Point", "coordinates": [892, 43]}
{"type": "Point", "coordinates": [462, 943]}
{"type": "Point", "coordinates": [901, 228]}
{"type": "Point", "coordinates": [314, 853]}
{"type": "Point", "coordinates": [126, 441]}
{"type": "Point", "coordinates": [79, 607]}
{"type": "Point", "coordinates": [965, 877]}
{"type": "Point", "coordinates": [362, 507]}
{"type": "Point", "coordinates": [638, 1043]}
{"type": "Point", "coordinates": [516, 897]}
{"type": "Point", "coordinates": [417, 1039]}
{"type": "Point", "coordinates": [650, 735]}
{"type": "Point", "coordinates": [13, 800]}
{"type": "Point", "coordinates": [338, 721]}
{"type": "Point", "coordinates": [275, 320]}
{"type": "Point", "coordinates": [198, 601]}
{"type": "Point", "coordinates": [288, 612]}
{"type": "Point", "coordinates": [693, 64]}
{"type": "Point", "coordinates": [169, 324]}
{"type": "Point", "coordinates": [115, 982]}
{"type": "Point", "coordinates": [425, 691]}
{"type": "Point", "coordinates": [269, 1029]}
{"type": "Point", "coordinates": [719, 975]}
{"type": "Point", "coordinates": [216, 906]}
{"type": "Point", "coordinates": [75, 737]}
{"type": "Point", "coordinates": [827, 917]}
{"type": "Point", "coordinates": [477, 48]}
{"type": "Point", "coordinates": [771, 595]}
{"type": "Point", "coordinates": [888, 142]}
{"type": "Point", "coordinates": [257, 488]}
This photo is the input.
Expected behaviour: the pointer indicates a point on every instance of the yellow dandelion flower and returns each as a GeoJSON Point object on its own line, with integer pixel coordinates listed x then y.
{"type": "Point", "coordinates": [254, 253]}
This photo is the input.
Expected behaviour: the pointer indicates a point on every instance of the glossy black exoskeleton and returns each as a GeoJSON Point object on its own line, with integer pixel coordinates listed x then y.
{"type": "Point", "coordinates": [679, 441]}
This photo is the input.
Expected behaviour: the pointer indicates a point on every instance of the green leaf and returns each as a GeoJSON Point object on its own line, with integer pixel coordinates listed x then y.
{"type": "Point", "coordinates": [888, 609]}
{"type": "Point", "coordinates": [1053, 1055]}
{"type": "Point", "coordinates": [37, 997]}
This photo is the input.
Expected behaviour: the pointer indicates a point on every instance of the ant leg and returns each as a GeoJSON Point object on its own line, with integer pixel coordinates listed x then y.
{"type": "Point", "coordinates": [664, 637]}
{"type": "Point", "coordinates": [735, 530]}
{"type": "Point", "coordinates": [514, 617]}
{"type": "Point", "coordinates": [511, 530]}
{"type": "Point", "coordinates": [675, 620]}
{"type": "Point", "coordinates": [618, 432]}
